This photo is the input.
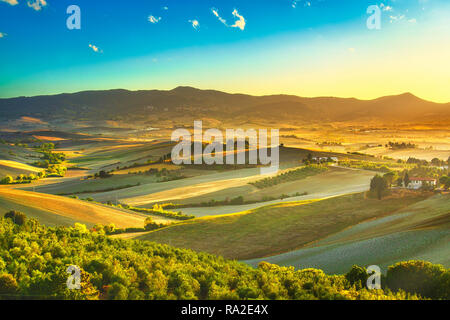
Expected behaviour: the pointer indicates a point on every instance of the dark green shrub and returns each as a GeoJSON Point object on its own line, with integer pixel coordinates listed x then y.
{"type": "Point", "coordinates": [18, 217]}
{"type": "Point", "coordinates": [420, 277]}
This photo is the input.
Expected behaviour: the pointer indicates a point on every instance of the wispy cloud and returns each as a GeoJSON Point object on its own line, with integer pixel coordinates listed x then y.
{"type": "Point", "coordinates": [396, 18]}
{"type": "Point", "coordinates": [95, 48]}
{"type": "Point", "coordinates": [195, 24]}
{"type": "Point", "coordinates": [154, 19]}
{"type": "Point", "coordinates": [305, 3]}
{"type": "Point", "coordinates": [216, 13]}
{"type": "Point", "coordinates": [386, 7]}
{"type": "Point", "coordinates": [11, 2]}
{"type": "Point", "coordinates": [2, 35]}
{"type": "Point", "coordinates": [37, 4]}
{"type": "Point", "coordinates": [239, 23]}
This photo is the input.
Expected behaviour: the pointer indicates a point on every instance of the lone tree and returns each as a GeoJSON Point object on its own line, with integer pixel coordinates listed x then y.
{"type": "Point", "coordinates": [445, 180]}
{"type": "Point", "coordinates": [390, 177]}
{"type": "Point", "coordinates": [406, 180]}
{"type": "Point", "coordinates": [18, 217]}
{"type": "Point", "coordinates": [379, 186]}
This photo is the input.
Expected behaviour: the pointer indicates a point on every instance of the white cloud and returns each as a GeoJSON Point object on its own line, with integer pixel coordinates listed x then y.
{"type": "Point", "coordinates": [11, 2]}
{"type": "Point", "coordinates": [195, 24]}
{"type": "Point", "coordinates": [216, 13]}
{"type": "Point", "coordinates": [37, 4]}
{"type": "Point", "coordinates": [154, 19]}
{"type": "Point", "coordinates": [386, 7]}
{"type": "Point", "coordinates": [396, 18]}
{"type": "Point", "coordinates": [239, 23]}
{"type": "Point", "coordinates": [413, 20]}
{"type": "Point", "coordinates": [95, 48]}
{"type": "Point", "coordinates": [2, 35]}
{"type": "Point", "coordinates": [165, 8]}
{"type": "Point", "coordinates": [305, 3]}
{"type": "Point", "coordinates": [34, 4]}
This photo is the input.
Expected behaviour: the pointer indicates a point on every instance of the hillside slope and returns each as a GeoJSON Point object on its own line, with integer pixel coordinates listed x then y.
{"type": "Point", "coordinates": [278, 228]}
{"type": "Point", "coordinates": [183, 101]}
{"type": "Point", "coordinates": [420, 231]}
{"type": "Point", "coordinates": [53, 210]}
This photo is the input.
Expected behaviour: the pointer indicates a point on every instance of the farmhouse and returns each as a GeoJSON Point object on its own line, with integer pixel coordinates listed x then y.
{"type": "Point", "coordinates": [417, 183]}
{"type": "Point", "coordinates": [325, 159]}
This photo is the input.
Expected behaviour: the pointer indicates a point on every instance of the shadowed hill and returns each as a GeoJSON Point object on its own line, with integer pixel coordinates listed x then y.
{"type": "Point", "coordinates": [184, 101]}
{"type": "Point", "coordinates": [53, 210]}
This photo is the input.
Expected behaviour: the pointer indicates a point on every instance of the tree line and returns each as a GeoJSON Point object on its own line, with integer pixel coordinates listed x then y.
{"type": "Point", "coordinates": [34, 261]}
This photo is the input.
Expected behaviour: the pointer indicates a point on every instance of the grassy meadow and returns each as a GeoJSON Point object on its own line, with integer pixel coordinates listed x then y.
{"type": "Point", "coordinates": [297, 218]}
{"type": "Point", "coordinates": [277, 228]}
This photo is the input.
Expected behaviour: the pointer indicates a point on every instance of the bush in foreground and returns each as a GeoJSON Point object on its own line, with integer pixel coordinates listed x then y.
{"type": "Point", "coordinates": [34, 261]}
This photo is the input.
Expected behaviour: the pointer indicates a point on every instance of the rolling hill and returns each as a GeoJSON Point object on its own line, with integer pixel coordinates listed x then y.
{"type": "Point", "coordinates": [54, 210]}
{"type": "Point", "coordinates": [14, 168]}
{"type": "Point", "coordinates": [184, 101]}
{"type": "Point", "coordinates": [278, 228]}
{"type": "Point", "coordinates": [420, 231]}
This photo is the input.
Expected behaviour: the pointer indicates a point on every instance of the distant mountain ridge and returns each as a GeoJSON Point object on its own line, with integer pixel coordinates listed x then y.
{"type": "Point", "coordinates": [108, 104]}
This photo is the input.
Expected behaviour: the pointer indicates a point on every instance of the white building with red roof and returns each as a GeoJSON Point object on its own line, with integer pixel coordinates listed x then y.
{"type": "Point", "coordinates": [417, 183]}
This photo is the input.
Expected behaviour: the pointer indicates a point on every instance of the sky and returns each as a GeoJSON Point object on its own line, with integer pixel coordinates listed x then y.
{"type": "Point", "coordinates": [306, 48]}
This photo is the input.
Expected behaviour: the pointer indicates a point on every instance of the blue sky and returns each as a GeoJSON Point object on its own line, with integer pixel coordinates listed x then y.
{"type": "Point", "coordinates": [309, 48]}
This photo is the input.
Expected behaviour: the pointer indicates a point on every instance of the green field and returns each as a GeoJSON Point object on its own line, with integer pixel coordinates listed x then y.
{"type": "Point", "coordinates": [54, 210]}
{"type": "Point", "coordinates": [420, 232]}
{"type": "Point", "coordinates": [14, 168]}
{"type": "Point", "coordinates": [335, 181]}
{"type": "Point", "coordinates": [75, 186]}
{"type": "Point", "coordinates": [277, 228]}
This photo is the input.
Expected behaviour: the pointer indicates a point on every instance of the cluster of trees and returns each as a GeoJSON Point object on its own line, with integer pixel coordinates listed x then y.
{"type": "Point", "coordinates": [380, 185]}
{"type": "Point", "coordinates": [398, 145]}
{"type": "Point", "coordinates": [102, 174]}
{"type": "Point", "coordinates": [292, 175]}
{"type": "Point", "coordinates": [55, 170]}
{"type": "Point", "coordinates": [49, 158]}
{"type": "Point", "coordinates": [49, 161]}
{"type": "Point", "coordinates": [436, 162]}
{"type": "Point", "coordinates": [160, 210]}
{"type": "Point", "coordinates": [213, 203]}
{"type": "Point", "coordinates": [46, 147]}
{"type": "Point", "coordinates": [329, 144]}
{"type": "Point", "coordinates": [412, 160]}
{"type": "Point", "coordinates": [22, 179]}
{"type": "Point", "coordinates": [445, 181]}
{"type": "Point", "coordinates": [365, 165]}
{"type": "Point", "coordinates": [156, 210]}
{"type": "Point", "coordinates": [20, 143]}
{"type": "Point", "coordinates": [165, 175]}
{"type": "Point", "coordinates": [51, 172]}
{"type": "Point", "coordinates": [149, 225]}
{"type": "Point", "coordinates": [34, 261]}
{"type": "Point", "coordinates": [439, 163]}
{"type": "Point", "coordinates": [232, 202]}
{"type": "Point", "coordinates": [99, 190]}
